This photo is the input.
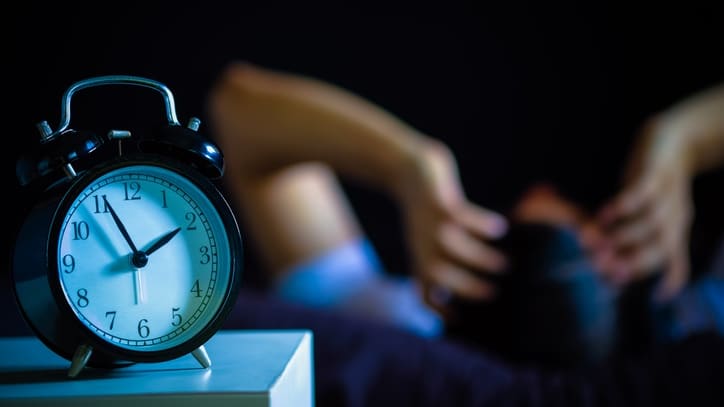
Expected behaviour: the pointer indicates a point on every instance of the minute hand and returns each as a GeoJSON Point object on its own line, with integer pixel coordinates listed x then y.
{"type": "Point", "coordinates": [120, 226]}
{"type": "Point", "coordinates": [162, 241]}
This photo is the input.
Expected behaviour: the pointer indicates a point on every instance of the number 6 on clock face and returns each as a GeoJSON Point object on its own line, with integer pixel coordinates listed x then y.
{"type": "Point", "coordinates": [144, 259]}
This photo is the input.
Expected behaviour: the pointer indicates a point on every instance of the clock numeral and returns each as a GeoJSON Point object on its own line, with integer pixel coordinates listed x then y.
{"type": "Point", "coordinates": [191, 218]}
{"type": "Point", "coordinates": [176, 317]}
{"type": "Point", "coordinates": [97, 202]}
{"type": "Point", "coordinates": [81, 230]}
{"type": "Point", "coordinates": [132, 190]}
{"type": "Point", "coordinates": [196, 289]}
{"type": "Point", "coordinates": [205, 257]}
{"type": "Point", "coordinates": [82, 298]}
{"type": "Point", "coordinates": [112, 314]}
{"type": "Point", "coordinates": [143, 330]}
{"type": "Point", "coordinates": [69, 263]}
{"type": "Point", "coordinates": [163, 196]}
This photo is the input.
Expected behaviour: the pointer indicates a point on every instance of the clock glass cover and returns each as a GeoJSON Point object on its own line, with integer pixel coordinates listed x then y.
{"type": "Point", "coordinates": [143, 258]}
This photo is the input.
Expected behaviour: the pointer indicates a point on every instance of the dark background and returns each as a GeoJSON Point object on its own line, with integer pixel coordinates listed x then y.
{"type": "Point", "coordinates": [521, 92]}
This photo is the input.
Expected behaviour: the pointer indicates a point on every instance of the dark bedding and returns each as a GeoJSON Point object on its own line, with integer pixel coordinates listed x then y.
{"type": "Point", "coordinates": [361, 363]}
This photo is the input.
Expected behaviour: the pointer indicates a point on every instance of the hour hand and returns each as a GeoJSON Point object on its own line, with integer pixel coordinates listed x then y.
{"type": "Point", "coordinates": [120, 226]}
{"type": "Point", "coordinates": [162, 241]}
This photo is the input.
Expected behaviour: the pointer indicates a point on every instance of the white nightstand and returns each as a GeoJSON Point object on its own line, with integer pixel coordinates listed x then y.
{"type": "Point", "coordinates": [249, 368]}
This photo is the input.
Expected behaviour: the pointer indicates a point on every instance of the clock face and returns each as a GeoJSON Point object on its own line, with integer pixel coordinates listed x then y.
{"type": "Point", "coordinates": [143, 257]}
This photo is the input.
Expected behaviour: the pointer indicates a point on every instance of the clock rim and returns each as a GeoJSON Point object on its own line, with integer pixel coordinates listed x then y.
{"type": "Point", "coordinates": [225, 212]}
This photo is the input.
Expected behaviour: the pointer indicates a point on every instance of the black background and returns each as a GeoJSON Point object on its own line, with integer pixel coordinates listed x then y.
{"type": "Point", "coordinates": [521, 91]}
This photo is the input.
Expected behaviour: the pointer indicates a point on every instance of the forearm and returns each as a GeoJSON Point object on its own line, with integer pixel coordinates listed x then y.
{"type": "Point", "coordinates": [696, 127]}
{"type": "Point", "coordinates": [269, 120]}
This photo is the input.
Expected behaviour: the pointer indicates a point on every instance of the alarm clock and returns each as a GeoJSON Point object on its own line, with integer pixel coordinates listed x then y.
{"type": "Point", "coordinates": [130, 252]}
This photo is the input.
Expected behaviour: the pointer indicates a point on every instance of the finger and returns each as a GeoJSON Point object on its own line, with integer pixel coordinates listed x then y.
{"type": "Point", "coordinates": [469, 251]}
{"type": "Point", "coordinates": [636, 232]}
{"type": "Point", "coordinates": [660, 225]}
{"type": "Point", "coordinates": [630, 202]}
{"type": "Point", "coordinates": [623, 268]}
{"type": "Point", "coordinates": [675, 277]}
{"type": "Point", "coordinates": [481, 221]}
{"type": "Point", "coordinates": [677, 271]}
{"type": "Point", "coordinates": [648, 227]}
{"type": "Point", "coordinates": [460, 282]}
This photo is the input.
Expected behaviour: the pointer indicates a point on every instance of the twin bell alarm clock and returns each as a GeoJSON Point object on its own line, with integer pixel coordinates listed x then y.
{"type": "Point", "coordinates": [130, 252]}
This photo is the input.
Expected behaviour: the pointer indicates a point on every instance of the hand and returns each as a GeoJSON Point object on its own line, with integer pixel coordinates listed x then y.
{"type": "Point", "coordinates": [135, 258]}
{"type": "Point", "coordinates": [162, 241]}
{"type": "Point", "coordinates": [645, 228]}
{"type": "Point", "coordinates": [120, 226]}
{"type": "Point", "coordinates": [446, 233]}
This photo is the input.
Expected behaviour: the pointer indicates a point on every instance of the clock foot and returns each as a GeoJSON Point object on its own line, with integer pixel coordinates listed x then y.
{"type": "Point", "coordinates": [80, 358]}
{"type": "Point", "coordinates": [202, 357]}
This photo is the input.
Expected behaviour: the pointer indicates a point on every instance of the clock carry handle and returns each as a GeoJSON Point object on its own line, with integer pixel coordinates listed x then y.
{"type": "Point", "coordinates": [48, 134]}
{"type": "Point", "coordinates": [182, 142]}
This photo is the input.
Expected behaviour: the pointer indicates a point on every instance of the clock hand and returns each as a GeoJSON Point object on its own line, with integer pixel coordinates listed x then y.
{"type": "Point", "coordinates": [138, 259]}
{"type": "Point", "coordinates": [138, 286]}
{"type": "Point", "coordinates": [120, 226]}
{"type": "Point", "coordinates": [162, 241]}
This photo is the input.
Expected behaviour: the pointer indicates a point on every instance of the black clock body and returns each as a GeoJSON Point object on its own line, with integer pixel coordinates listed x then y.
{"type": "Point", "coordinates": [59, 176]}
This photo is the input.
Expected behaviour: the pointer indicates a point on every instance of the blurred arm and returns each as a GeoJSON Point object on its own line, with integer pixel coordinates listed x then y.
{"type": "Point", "coordinates": [284, 137]}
